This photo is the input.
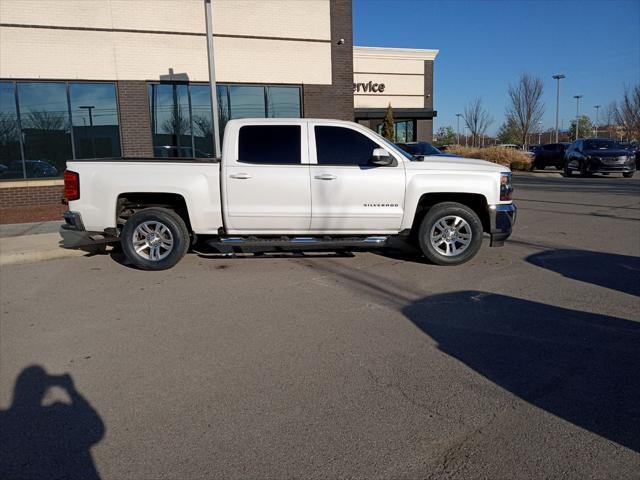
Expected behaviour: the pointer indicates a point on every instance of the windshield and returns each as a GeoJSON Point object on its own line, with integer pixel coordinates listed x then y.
{"type": "Point", "coordinates": [422, 148]}
{"type": "Point", "coordinates": [602, 145]}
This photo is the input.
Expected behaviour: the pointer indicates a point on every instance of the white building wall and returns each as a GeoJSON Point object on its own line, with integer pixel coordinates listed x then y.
{"type": "Point", "coordinates": [296, 46]}
{"type": "Point", "coordinates": [401, 70]}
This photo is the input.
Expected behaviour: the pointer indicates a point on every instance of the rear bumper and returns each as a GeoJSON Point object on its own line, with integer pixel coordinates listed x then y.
{"type": "Point", "coordinates": [501, 220]}
{"type": "Point", "coordinates": [74, 234]}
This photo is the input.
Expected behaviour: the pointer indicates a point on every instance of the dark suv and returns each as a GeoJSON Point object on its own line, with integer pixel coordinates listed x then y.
{"type": "Point", "coordinates": [599, 155]}
{"type": "Point", "coordinates": [550, 155]}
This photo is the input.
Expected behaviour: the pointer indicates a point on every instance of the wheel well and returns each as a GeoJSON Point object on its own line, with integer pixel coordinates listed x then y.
{"type": "Point", "coordinates": [475, 201]}
{"type": "Point", "coordinates": [130, 203]}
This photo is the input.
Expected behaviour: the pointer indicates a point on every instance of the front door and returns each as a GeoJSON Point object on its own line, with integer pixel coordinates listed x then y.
{"type": "Point", "coordinates": [348, 193]}
{"type": "Point", "coordinates": [267, 185]}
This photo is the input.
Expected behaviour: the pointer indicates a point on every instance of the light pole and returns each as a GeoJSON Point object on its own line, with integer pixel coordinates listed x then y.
{"type": "Point", "coordinates": [212, 77]}
{"type": "Point", "coordinates": [597, 107]}
{"type": "Point", "coordinates": [466, 138]}
{"type": "Point", "coordinates": [88, 107]}
{"type": "Point", "coordinates": [458, 115]}
{"type": "Point", "coordinates": [558, 77]}
{"type": "Point", "coordinates": [577, 97]}
{"type": "Point", "coordinates": [539, 133]}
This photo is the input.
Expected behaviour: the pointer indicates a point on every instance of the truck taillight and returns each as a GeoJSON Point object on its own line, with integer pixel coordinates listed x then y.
{"type": "Point", "coordinates": [71, 185]}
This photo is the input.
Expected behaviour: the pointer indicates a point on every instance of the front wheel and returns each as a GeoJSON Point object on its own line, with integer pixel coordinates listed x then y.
{"type": "Point", "coordinates": [155, 239]}
{"type": "Point", "coordinates": [450, 234]}
{"type": "Point", "coordinates": [627, 174]}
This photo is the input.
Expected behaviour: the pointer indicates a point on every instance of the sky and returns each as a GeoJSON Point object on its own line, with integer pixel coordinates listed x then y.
{"type": "Point", "coordinates": [485, 45]}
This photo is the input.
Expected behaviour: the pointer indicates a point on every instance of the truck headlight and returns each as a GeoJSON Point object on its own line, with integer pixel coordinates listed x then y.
{"type": "Point", "coordinates": [506, 188]}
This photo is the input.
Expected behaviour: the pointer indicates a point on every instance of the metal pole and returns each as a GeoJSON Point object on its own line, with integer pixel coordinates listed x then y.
{"type": "Point", "coordinates": [597, 107]}
{"type": "Point", "coordinates": [558, 77]}
{"type": "Point", "coordinates": [577, 97]}
{"type": "Point", "coordinates": [458, 131]}
{"type": "Point", "coordinates": [539, 133]}
{"type": "Point", "coordinates": [212, 78]}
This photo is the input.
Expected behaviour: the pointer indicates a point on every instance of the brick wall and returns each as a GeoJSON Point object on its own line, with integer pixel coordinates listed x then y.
{"type": "Point", "coordinates": [23, 196]}
{"type": "Point", "coordinates": [335, 100]}
{"type": "Point", "coordinates": [135, 124]}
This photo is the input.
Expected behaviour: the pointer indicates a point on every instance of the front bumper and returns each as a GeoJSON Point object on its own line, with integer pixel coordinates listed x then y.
{"type": "Point", "coordinates": [74, 234]}
{"type": "Point", "coordinates": [501, 220]}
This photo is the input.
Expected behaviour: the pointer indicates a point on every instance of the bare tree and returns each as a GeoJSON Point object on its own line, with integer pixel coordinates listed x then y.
{"type": "Point", "coordinates": [627, 113]}
{"type": "Point", "coordinates": [526, 106]}
{"type": "Point", "coordinates": [45, 120]}
{"type": "Point", "coordinates": [477, 119]}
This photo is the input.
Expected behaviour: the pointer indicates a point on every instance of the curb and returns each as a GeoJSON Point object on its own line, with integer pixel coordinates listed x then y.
{"type": "Point", "coordinates": [33, 248]}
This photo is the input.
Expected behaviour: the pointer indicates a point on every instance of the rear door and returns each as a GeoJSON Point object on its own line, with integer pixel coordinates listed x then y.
{"type": "Point", "coordinates": [266, 180]}
{"type": "Point", "coordinates": [349, 195]}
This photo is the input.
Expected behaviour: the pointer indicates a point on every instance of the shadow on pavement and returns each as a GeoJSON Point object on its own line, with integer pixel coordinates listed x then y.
{"type": "Point", "coordinates": [48, 441]}
{"type": "Point", "coordinates": [579, 366]}
{"type": "Point", "coordinates": [618, 272]}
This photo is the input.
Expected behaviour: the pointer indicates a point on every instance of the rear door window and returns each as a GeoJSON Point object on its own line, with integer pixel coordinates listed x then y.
{"type": "Point", "coordinates": [270, 144]}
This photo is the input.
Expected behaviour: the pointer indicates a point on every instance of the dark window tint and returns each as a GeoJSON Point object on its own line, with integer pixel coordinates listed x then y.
{"type": "Point", "coordinates": [343, 146]}
{"type": "Point", "coordinates": [10, 156]}
{"type": "Point", "coordinates": [44, 116]}
{"type": "Point", "coordinates": [94, 113]}
{"type": "Point", "coordinates": [269, 144]}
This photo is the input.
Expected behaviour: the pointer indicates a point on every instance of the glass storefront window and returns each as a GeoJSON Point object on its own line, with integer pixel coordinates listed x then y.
{"type": "Point", "coordinates": [44, 117]}
{"type": "Point", "coordinates": [247, 102]}
{"type": "Point", "coordinates": [94, 112]}
{"type": "Point", "coordinates": [192, 104]}
{"type": "Point", "coordinates": [36, 138]}
{"type": "Point", "coordinates": [283, 102]}
{"type": "Point", "coordinates": [170, 120]}
{"type": "Point", "coordinates": [10, 157]}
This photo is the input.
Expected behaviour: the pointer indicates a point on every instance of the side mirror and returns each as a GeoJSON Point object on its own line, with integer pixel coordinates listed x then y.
{"type": "Point", "coordinates": [382, 158]}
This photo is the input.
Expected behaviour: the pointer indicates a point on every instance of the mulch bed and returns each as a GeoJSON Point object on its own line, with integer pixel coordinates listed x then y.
{"type": "Point", "coordinates": [32, 213]}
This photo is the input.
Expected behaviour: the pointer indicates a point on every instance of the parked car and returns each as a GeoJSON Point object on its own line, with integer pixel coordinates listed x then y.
{"type": "Point", "coordinates": [424, 149]}
{"type": "Point", "coordinates": [599, 155]}
{"type": "Point", "coordinates": [357, 192]}
{"type": "Point", "coordinates": [33, 168]}
{"type": "Point", "coordinates": [550, 155]}
{"type": "Point", "coordinates": [514, 146]}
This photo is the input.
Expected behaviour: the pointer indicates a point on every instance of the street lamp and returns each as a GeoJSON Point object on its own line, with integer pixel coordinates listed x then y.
{"type": "Point", "coordinates": [458, 135]}
{"type": "Point", "coordinates": [558, 77]}
{"type": "Point", "coordinates": [88, 107]}
{"type": "Point", "coordinates": [539, 133]}
{"type": "Point", "coordinates": [466, 138]}
{"type": "Point", "coordinates": [597, 107]}
{"type": "Point", "coordinates": [577, 97]}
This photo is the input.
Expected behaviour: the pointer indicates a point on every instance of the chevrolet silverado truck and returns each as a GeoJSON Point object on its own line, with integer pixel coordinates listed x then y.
{"type": "Point", "coordinates": [288, 185]}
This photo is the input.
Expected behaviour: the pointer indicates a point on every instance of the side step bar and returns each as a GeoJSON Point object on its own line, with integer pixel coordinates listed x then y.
{"type": "Point", "coordinates": [230, 244]}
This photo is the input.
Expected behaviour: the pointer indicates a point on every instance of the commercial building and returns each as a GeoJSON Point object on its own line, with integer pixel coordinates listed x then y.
{"type": "Point", "coordinates": [129, 78]}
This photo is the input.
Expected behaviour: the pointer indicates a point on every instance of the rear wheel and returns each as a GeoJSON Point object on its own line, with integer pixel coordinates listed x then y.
{"type": "Point", "coordinates": [627, 174]}
{"type": "Point", "coordinates": [450, 234]}
{"type": "Point", "coordinates": [155, 239]}
{"type": "Point", "coordinates": [567, 170]}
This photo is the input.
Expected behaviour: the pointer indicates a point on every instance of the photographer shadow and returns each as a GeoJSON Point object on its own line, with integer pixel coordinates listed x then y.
{"type": "Point", "coordinates": [48, 441]}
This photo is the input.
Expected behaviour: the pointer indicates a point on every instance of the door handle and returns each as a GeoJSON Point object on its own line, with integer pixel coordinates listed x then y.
{"type": "Point", "coordinates": [240, 176]}
{"type": "Point", "coordinates": [326, 176]}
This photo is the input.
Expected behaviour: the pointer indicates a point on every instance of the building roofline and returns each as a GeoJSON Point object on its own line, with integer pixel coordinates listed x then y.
{"type": "Point", "coordinates": [395, 53]}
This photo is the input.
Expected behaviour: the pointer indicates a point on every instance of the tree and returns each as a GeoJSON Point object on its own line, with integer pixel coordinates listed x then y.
{"type": "Point", "coordinates": [477, 119]}
{"type": "Point", "coordinates": [445, 136]}
{"type": "Point", "coordinates": [45, 120]}
{"type": "Point", "coordinates": [388, 127]}
{"type": "Point", "coordinates": [509, 131]}
{"type": "Point", "coordinates": [585, 128]}
{"type": "Point", "coordinates": [526, 106]}
{"type": "Point", "coordinates": [627, 113]}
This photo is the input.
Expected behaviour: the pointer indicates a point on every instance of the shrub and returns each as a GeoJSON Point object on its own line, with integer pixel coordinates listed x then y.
{"type": "Point", "coordinates": [514, 159]}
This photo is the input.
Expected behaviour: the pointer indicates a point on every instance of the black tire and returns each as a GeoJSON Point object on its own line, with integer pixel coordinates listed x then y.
{"type": "Point", "coordinates": [439, 212]}
{"type": "Point", "coordinates": [567, 171]}
{"type": "Point", "coordinates": [584, 172]}
{"type": "Point", "coordinates": [627, 174]}
{"type": "Point", "coordinates": [167, 257]}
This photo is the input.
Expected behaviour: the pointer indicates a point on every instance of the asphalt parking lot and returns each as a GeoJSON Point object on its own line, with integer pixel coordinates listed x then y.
{"type": "Point", "coordinates": [523, 363]}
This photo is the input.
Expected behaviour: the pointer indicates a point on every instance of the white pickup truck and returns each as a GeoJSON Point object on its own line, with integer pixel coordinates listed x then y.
{"type": "Point", "coordinates": [288, 184]}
